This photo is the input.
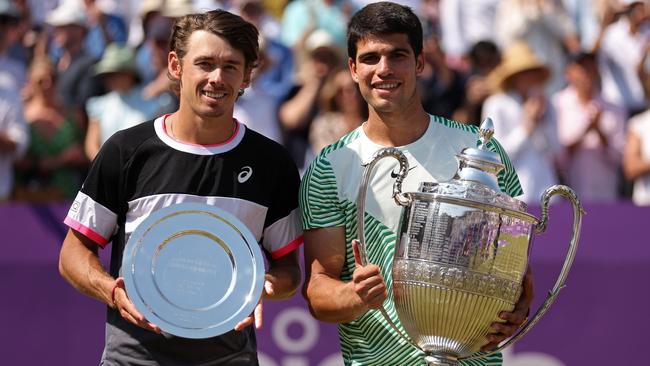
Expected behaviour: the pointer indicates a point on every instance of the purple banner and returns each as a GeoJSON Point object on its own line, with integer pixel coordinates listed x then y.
{"type": "Point", "coordinates": [600, 318]}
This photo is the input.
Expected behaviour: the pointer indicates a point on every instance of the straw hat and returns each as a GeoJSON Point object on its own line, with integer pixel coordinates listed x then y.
{"type": "Point", "coordinates": [116, 58]}
{"type": "Point", "coordinates": [516, 59]}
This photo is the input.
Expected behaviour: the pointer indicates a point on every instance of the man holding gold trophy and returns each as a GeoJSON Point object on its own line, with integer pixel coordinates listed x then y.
{"type": "Point", "coordinates": [184, 201]}
{"type": "Point", "coordinates": [460, 281]}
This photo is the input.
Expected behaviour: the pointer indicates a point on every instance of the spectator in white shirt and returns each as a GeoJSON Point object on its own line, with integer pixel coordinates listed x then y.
{"type": "Point", "coordinates": [524, 121]}
{"type": "Point", "coordinates": [592, 131]}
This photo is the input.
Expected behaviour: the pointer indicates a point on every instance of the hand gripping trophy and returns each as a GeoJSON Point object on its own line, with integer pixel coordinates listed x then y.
{"type": "Point", "coordinates": [462, 253]}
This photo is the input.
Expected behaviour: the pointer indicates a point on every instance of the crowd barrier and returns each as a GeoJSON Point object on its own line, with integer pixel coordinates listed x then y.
{"type": "Point", "coordinates": [600, 318]}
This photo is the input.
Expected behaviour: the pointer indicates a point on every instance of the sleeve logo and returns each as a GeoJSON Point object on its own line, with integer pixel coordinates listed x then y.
{"type": "Point", "coordinates": [245, 174]}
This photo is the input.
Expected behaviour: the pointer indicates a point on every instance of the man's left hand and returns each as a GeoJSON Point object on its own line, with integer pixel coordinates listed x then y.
{"type": "Point", "coordinates": [514, 319]}
{"type": "Point", "coordinates": [256, 316]}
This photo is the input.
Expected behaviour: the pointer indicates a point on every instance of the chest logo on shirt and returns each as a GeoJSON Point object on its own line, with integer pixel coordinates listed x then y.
{"type": "Point", "coordinates": [245, 174]}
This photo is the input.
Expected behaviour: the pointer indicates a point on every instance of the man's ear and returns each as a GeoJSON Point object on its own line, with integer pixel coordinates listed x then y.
{"type": "Point", "coordinates": [248, 75]}
{"type": "Point", "coordinates": [352, 66]}
{"type": "Point", "coordinates": [174, 65]}
{"type": "Point", "coordinates": [419, 63]}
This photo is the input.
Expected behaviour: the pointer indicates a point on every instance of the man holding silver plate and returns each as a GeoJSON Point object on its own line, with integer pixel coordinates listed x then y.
{"type": "Point", "coordinates": [347, 280]}
{"type": "Point", "coordinates": [184, 199]}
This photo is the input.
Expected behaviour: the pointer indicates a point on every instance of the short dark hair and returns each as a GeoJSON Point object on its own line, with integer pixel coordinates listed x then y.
{"type": "Point", "coordinates": [582, 57]}
{"type": "Point", "coordinates": [240, 34]}
{"type": "Point", "coordinates": [384, 18]}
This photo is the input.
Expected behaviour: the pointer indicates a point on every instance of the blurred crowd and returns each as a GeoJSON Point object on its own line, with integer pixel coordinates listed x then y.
{"type": "Point", "coordinates": [566, 82]}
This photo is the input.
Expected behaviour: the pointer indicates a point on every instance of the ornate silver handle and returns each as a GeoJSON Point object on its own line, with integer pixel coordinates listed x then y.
{"type": "Point", "coordinates": [398, 196]}
{"type": "Point", "coordinates": [578, 211]}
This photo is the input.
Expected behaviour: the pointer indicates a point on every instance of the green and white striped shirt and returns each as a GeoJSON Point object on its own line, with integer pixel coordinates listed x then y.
{"type": "Point", "coordinates": [328, 198]}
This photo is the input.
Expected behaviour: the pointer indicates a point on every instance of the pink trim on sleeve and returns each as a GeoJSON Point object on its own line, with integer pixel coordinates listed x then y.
{"type": "Point", "coordinates": [88, 232]}
{"type": "Point", "coordinates": [287, 248]}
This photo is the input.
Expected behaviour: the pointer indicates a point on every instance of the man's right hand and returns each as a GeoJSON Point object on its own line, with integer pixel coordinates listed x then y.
{"type": "Point", "coordinates": [126, 308]}
{"type": "Point", "coordinates": [368, 282]}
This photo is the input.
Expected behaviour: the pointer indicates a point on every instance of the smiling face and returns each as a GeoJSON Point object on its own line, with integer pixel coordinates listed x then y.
{"type": "Point", "coordinates": [386, 70]}
{"type": "Point", "coordinates": [211, 74]}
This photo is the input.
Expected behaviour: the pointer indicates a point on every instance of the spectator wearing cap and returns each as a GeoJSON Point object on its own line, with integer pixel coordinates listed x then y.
{"type": "Point", "coordinates": [73, 64]}
{"type": "Point", "coordinates": [123, 106]}
{"type": "Point", "coordinates": [592, 132]}
{"type": "Point", "coordinates": [524, 121]}
{"type": "Point", "coordinates": [299, 108]}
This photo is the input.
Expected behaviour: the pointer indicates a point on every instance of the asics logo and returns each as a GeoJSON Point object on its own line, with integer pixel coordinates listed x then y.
{"type": "Point", "coordinates": [245, 174]}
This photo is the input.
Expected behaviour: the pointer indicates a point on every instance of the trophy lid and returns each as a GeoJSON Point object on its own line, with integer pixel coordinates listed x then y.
{"type": "Point", "coordinates": [480, 164]}
{"type": "Point", "coordinates": [476, 178]}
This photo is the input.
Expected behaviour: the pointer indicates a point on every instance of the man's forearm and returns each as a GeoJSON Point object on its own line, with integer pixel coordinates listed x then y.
{"type": "Point", "coordinates": [82, 268]}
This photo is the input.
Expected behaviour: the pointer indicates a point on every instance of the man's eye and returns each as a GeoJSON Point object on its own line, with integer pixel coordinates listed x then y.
{"type": "Point", "coordinates": [370, 60]}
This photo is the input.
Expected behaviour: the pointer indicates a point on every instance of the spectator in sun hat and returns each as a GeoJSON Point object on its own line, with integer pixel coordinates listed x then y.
{"type": "Point", "coordinates": [73, 63]}
{"type": "Point", "coordinates": [524, 120]}
{"type": "Point", "coordinates": [123, 106]}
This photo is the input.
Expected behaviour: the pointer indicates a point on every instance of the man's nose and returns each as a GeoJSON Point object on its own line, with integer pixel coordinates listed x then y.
{"type": "Point", "coordinates": [384, 66]}
{"type": "Point", "coordinates": [215, 75]}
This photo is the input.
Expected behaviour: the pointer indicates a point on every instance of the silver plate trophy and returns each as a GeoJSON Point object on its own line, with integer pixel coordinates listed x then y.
{"type": "Point", "coordinates": [193, 269]}
{"type": "Point", "coordinates": [462, 253]}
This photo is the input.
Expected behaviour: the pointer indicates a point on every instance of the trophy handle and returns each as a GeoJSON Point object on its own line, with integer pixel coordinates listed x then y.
{"type": "Point", "coordinates": [578, 212]}
{"type": "Point", "coordinates": [399, 197]}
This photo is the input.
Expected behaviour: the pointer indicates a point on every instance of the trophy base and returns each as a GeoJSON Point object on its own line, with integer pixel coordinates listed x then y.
{"type": "Point", "coordinates": [441, 360]}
